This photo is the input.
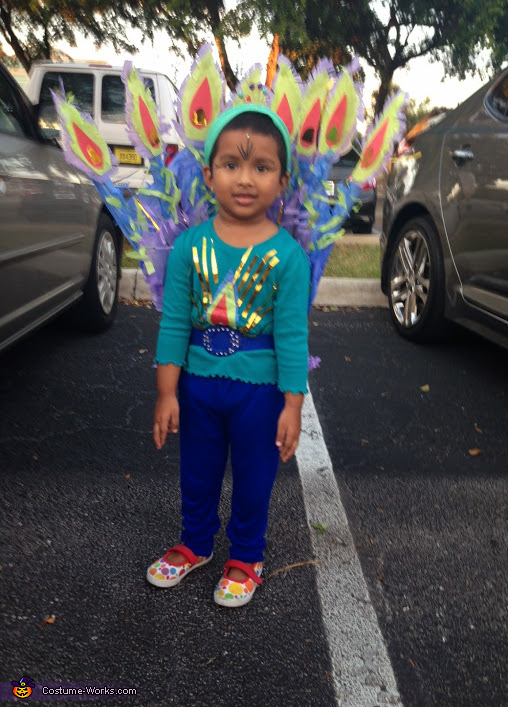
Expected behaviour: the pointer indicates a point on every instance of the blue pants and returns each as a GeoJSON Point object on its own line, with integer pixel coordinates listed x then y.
{"type": "Point", "coordinates": [217, 414]}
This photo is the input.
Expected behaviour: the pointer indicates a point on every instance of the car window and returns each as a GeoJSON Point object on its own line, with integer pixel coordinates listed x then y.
{"type": "Point", "coordinates": [348, 160]}
{"type": "Point", "coordinates": [79, 84]}
{"type": "Point", "coordinates": [498, 99]}
{"type": "Point", "coordinates": [11, 121]}
{"type": "Point", "coordinates": [113, 98]}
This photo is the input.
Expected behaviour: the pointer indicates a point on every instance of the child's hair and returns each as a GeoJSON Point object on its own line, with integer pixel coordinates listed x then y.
{"type": "Point", "coordinates": [259, 124]}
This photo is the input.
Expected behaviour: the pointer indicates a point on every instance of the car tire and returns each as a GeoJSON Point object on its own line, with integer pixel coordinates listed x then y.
{"type": "Point", "coordinates": [416, 282]}
{"type": "Point", "coordinates": [362, 227]}
{"type": "Point", "coordinates": [368, 226]}
{"type": "Point", "coordinates": [96, 310]}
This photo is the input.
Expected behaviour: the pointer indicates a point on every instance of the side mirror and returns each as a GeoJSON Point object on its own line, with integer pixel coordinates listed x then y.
{"type": "Point", "coordinates": [48, 126]}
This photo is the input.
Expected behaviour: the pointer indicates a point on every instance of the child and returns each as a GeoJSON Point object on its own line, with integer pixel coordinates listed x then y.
{"type": "Point", "coordinates": [233, 341]}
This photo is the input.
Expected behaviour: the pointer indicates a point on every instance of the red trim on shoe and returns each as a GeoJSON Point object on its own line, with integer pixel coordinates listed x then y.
{"type": "Point", "coordinates": [190, 557]}
{"type": "Point", "coordinates": [245, 568]}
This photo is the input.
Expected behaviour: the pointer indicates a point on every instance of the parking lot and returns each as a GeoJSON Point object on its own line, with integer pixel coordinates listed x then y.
{"type": "Point", "coordinates": [88, 503]}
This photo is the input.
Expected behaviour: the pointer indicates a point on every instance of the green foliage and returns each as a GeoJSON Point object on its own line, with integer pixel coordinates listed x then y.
{"type": "Point", "coordinates": [389, 34]}
{"type": "Point", "coordinates": [308, 30]}
{"type": "Point", "coordinates": [32, 29]}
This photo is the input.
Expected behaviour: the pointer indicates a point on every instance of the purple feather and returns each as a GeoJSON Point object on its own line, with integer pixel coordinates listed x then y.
{"type": "Point", "coordinates": [313, 362]}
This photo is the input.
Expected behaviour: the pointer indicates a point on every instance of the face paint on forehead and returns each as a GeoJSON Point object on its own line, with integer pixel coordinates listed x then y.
{"type": "Point", "coordinates": [246, 152]}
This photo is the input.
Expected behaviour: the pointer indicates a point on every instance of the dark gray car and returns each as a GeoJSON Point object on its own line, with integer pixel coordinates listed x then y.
{"type": "Point", "coordinates": [445, 223]}
{"type": "Point", "coordinates": [58, 245]}
{"type": "Point", "coordinates": [363, 215]}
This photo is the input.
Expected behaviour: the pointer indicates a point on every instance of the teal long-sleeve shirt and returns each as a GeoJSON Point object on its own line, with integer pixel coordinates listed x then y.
{"type": "Point", "coordinates": [263, 289]}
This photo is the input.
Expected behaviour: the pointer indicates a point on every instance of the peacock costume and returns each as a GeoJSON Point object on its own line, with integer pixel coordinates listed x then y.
{"type": "Point", "coordinates": [234, 319]}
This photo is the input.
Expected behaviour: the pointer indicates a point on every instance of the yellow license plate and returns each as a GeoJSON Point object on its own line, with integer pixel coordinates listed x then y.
{"type": "Point", "coordinates": [127, 155]}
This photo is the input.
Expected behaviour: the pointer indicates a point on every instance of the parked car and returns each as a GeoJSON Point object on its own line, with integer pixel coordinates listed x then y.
{"type": "Point", "coordinates": [362, 219]}
{"type": "Point", "coordinates": [99, 91]}
{"type": "Point", "coordinates": [59, 247]}
{"type": "Point", "coordinates": [445, 223]}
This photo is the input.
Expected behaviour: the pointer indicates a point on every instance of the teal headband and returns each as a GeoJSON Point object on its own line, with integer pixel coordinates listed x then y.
{"type": "Point", "coordinates": [225, 118]}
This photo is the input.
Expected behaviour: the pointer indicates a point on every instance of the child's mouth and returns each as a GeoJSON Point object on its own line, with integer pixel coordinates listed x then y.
{"type": "Point", "coordinates": [244, 199]}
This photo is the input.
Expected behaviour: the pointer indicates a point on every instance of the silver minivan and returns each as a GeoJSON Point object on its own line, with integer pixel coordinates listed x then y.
{"type": "Point", "coordinates": [99, 91]}
{"type": "Point", "coordinates": [59, 248]}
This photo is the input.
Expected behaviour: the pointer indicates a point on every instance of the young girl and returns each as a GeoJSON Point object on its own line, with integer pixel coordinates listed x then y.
{"type": "Point", "coordinates": [233, 342]}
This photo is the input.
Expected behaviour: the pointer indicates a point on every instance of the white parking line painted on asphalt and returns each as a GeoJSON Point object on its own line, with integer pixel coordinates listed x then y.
{"type": "Point", "coordinates": [362, 673]}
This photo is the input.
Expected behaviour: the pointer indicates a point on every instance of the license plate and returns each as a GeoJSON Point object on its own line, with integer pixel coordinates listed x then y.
{"type": "Point", "coordinates": [127, 155]}
{"type": "Point", "coordinates": [330, 187]}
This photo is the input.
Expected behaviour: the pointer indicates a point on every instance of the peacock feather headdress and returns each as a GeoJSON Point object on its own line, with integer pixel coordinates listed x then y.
{"type": "Point", "coordinates": [321, 117]}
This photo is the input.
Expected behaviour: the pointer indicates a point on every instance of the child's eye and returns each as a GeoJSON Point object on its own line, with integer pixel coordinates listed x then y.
{"type": "Point", "coordinates": [262, 168]}
{"type": "Point", "coordinates": [230, 165]}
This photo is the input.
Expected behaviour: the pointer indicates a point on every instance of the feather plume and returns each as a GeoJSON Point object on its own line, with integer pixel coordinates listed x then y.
{"type": "Point", "coordinates": [200, 99]}
{"type": "Point", "coordinates": [83, 145]}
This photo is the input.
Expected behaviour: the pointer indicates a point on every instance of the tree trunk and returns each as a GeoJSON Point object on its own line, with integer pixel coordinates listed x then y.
{"type": "Point", "coordinates": [386, 76]}
{"type": "Point", "coordinates": [271, 65]}
{"type": "Point", "coordinates": [47, 44]}
{"type": "Point", "coordinates": [213, 11]}
{"type": "Point", "coordinates": [228, 72]}
{"type": "Point", "coordinates": [21, 55]}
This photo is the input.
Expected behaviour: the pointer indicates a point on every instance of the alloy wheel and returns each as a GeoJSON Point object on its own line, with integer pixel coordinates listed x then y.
{"type": "Point", "coordinates": [410, 278]}
{"type": "Point", "coordinates": [107, 270]}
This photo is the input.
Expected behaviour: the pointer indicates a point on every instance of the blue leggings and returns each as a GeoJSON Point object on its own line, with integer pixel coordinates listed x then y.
{"type": "Point", "coordinates": [217, 414]}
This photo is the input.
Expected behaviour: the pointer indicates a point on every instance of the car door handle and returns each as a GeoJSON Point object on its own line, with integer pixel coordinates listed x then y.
{"type": "Point", "coordinates": [463, 155]}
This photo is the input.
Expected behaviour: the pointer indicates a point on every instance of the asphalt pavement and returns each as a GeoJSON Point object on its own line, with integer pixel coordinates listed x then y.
{"type": "Point", "coordinates": [417, 439]}
{"type": "Point", "coordinates": [88, 503]}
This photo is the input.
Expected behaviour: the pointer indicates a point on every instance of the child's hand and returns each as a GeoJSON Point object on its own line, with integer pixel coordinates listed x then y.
{"type": "Point", "coordinates": [166, 418]}
{"type": "Point", "coordinates": [289, 426]}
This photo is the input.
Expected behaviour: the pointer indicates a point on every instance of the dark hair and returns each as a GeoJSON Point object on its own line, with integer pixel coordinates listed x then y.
{"type": "Point", "coordinates": [260, 125]}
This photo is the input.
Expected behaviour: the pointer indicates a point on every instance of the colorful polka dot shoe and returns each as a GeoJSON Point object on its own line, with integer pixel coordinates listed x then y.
{"type": "Point", "coordinates": [232, 592]}
{"type": "Point", "coordinates": [164, 574]}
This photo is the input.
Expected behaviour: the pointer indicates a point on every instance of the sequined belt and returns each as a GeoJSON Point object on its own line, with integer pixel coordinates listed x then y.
{"type": "Point", "coordinates": [224, 341]}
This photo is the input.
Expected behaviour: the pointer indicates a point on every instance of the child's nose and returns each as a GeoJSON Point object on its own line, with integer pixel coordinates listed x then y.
{"type": "Point", "coordinates": [245, 174]}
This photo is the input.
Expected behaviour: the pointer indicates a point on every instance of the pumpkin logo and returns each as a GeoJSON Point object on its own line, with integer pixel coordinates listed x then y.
{"type": "Point", "coordinates": [23, 688]}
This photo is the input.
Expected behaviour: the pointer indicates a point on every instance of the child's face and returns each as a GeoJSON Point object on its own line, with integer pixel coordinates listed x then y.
{"type": "Point", "coordinates": [246, 177]}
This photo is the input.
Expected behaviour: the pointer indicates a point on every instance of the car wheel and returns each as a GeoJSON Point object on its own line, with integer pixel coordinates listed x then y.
{"type": "Point", "coordinates": [368, 226]}
{"type": "Point", "coordinates": [362, 227]}
{"type": "Point", "coordinates": [97, 309]}
{"type": "Point", "coordinates": [416, 282]}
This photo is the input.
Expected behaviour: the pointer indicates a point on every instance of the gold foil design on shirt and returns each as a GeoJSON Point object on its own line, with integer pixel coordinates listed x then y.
{"type": "Point", "coordinates": [245, 277]}
{"type": "Point", "coordinates": [260, 312]}
{"type": "Point", "coordinates": [215, 269]}
{"type": "Point", "coordinates": [249, 278]}
{"type": "Point", "coordinates": [204, 264]}
{"type": "Point", "coordinates": [244, 259]}
{"type": "Point", "coordinates": [195, 258]}
{"type": "Point", "coordinates": [257, 288]}
{"type": "Point", "coordinates": [256, 275]}
{"type": "Point", "coordinates": [202, 268]}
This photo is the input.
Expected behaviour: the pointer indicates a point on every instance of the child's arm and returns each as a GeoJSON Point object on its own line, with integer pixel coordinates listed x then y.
{"type": "Point", "coordinates": [167, 409]}
{"type": "Point", "coordinates": [289, 426]}
{"type": "Point", "coordinates": [291, 349]}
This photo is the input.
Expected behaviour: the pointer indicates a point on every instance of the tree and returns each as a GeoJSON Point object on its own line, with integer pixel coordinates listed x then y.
{"type": "Point", "coordinates": [452, 31]}
{"type": "Point", "coordinates": [305, 30]}
{"type": "Point", "coordinates": [190, 21]}
{"type": "Point", "coordinates": [388, 34]}
{"type": "Point", "coordinates": [32, 29]}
